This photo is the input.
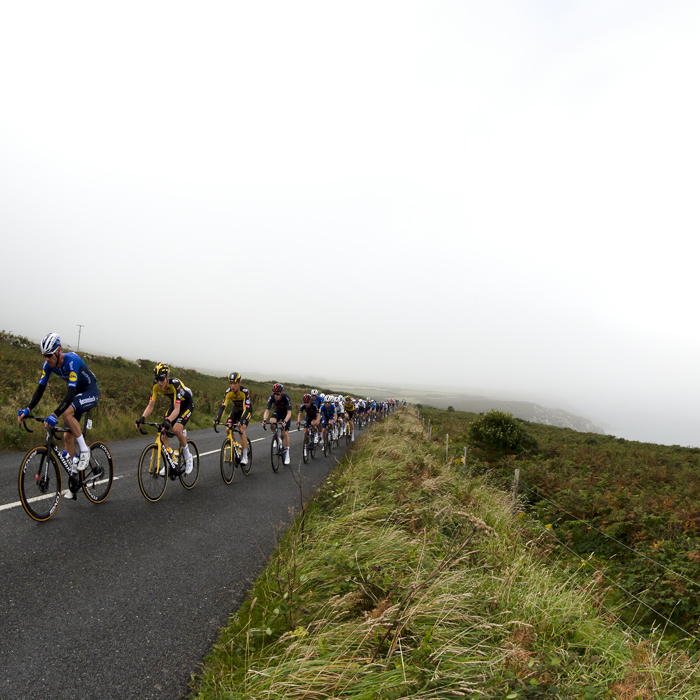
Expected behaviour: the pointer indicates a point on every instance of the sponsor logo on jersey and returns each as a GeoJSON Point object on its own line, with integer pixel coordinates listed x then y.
{"type": "Point", "coordinates": [73, 377]}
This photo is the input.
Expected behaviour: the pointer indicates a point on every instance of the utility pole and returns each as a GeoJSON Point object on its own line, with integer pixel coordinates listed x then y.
{"type": "Point", "coordinates": [80, 330]}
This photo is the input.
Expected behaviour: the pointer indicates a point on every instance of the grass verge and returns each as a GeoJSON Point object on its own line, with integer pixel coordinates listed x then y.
{"type": "Point", "coordinates": [406, 578]}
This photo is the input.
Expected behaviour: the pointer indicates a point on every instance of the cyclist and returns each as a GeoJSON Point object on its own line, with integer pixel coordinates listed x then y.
{"type": "Point", "coordinates": [82, 394]}
{"type": "Point", "coordinates": [340, 414]}
{"type": "Point", "coordinates": [283, 414]}
{"type": "Point", "coordinates": [349, 407]}
{"type": "Point", "coordinates": [239, 398]}
{"type": "Point", "coordinates": [328, 415]}
{"type": "Point", "coordinates": [180, 411]}
{"type": "Point", "coordinates": [313, 416]}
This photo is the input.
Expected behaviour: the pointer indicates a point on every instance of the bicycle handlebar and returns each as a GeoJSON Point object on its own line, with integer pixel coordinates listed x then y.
{"type": "Point", "coordinates": [155, 425]}
{"type": "Point", "coordinates": [234, 427]}
{"type": "Point", "coordinates": [43, 420]}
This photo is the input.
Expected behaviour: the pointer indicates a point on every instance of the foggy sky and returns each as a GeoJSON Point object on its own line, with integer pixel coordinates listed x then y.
{"type": "Point", "coordinates": [492, 196]}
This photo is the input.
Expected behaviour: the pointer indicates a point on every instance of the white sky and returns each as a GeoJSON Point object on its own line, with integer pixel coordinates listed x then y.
{"type": "Point", "coordinates": [504, 194]}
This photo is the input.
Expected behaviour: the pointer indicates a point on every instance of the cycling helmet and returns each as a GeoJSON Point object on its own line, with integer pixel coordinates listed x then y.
{"type": "Point", "coordinates": [50, 343]}
{"type": "Point", "coordinates": [348, 398]}
{"type": "Point", "coordinates": [368, 399]}
{"type": "Point", "coordinates": [277, 389]}
{"type": "Point", "coordinates": [161, 370]}
{"type": "Point", "coordinates": [314, 392]}
{"type": "Point", "coordinates": [322, 397]}
{"type": "Point", "coordinates": [306, 398]}
{"type": "Point", "coordinates": [234, 377]}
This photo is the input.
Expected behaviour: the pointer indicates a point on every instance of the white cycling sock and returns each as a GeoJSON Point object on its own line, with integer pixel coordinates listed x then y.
{"type": "Point", "coordinates": [245, 452]}
{"type": "Point", "coordinates": [186, 450]}
{"type": "Point", "coordinates": [82, 445]}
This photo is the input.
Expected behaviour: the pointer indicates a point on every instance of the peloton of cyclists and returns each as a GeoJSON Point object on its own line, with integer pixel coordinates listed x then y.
{"type": "Point", "coordinates": [82, 394]}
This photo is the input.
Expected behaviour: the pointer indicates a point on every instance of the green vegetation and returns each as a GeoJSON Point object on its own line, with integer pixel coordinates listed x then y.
{"type": "Point", "coordinates": [628, 509]}
{"type": "Point", "coordinates": [124, 392]}
{"type": "Point", "coordinates": [498, 432]}
{"type": "Point", "coordinates": [407, 578]}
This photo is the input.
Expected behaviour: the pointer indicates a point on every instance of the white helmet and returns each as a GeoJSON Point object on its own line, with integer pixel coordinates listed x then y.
{"type": "Point", "coordinates": [322, 397]}
{"type": "Point", "coordinates": [314, 392]}
{"type": "Point", "coordinates": [368, 399]}
{"type": "Point", "coordinates": [50, 343]}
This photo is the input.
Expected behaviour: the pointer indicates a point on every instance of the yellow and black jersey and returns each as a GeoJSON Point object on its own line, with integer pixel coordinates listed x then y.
{"type": "Point", "coordinates": [349, 406]}
{"type": "Point", "coordinates": [238, 401]}
{"type": "Point", "coordinates": [175, 390]}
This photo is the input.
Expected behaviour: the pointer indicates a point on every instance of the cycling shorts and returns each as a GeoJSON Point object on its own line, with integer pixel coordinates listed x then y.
{"type": "Point", "coordinates": [183, 417]}
{"type": "Point", "coordinates": [86, 400]}
{"type": "Point", "coordinates": [236, 416]}
{"type": "Point", "coordinates": [279, 416]}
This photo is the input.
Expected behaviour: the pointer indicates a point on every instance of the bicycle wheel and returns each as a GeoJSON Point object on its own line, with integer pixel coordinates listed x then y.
{"type": "Point", "coordinates": [99, 474]}
{"type": "Point", "coordinates": [39, 484]}
{"type": "Point", "coordinates": [151, 482]}
{"type": "Point", "coordinates": [245, 468]}
{"type": "Point", "coordinates": [227, 462]}
{"type": "Point", "coordinates": [347, 434]}
{"type": "Point", "coordinates": [275, 453]}
{"type": "Point", "coordinates": [312, 446]}
{"type": "Point", "coordinates": [189, 480]}
{"type": "Point", "coordinates": [326, 444]}
{"type": "Point", "coordinates": [305, 450]}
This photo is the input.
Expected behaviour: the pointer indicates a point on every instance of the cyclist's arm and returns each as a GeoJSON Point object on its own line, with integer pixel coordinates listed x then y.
{"type": "Point", "coordinates": [149, 409]}
{"type": "Point", "coordinates": [221, 410]}
{"type": "Point", "coordinates": [175, 412]}
{"type": "Point", "coordinates": [247, 409]}
{"type": "Point", "coordinates": [37, 396]}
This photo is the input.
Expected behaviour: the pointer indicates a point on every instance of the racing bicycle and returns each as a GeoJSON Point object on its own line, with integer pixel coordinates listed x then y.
{"type": "Point", "coordinates": [157, 465]}
{"type": "Point", "coordinates": [277, 448]}
{"type": "Point", "coordinates": [230, 455]}
{"type": "Point", "coordinates": [40, 485]}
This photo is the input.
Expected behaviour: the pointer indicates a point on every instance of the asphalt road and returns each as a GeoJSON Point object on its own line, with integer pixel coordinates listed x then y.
{"type": "Point", "coordinates": [125, 599]}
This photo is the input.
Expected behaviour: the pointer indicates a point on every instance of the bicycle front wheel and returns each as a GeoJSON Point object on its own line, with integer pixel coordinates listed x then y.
{"type": "Point", "coordinates": [99, 475]}
{"type": "Point", "coordinates": [153, 473]}
{"type": "Point", "coordinates": [347, 434]}
{"type": "Point", "coordinates": [275, 456]}
{"type": "Point", "coordinates": [39, 484]}
{"type": "Point", "coordinates": [227, 461]}
{"type": "Point", "coordinates": [189, 480]}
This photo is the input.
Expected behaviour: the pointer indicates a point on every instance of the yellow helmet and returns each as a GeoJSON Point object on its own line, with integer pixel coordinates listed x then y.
{"type": "Point", "coordinates": [160, 371]}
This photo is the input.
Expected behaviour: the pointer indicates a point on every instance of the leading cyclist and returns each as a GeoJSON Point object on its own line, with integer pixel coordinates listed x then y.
{"type": "Point", "coordinates": [82, 395]}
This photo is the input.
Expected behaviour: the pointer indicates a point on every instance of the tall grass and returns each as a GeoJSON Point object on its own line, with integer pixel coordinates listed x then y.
{"type": "Point", "coordinates": [410, 580]}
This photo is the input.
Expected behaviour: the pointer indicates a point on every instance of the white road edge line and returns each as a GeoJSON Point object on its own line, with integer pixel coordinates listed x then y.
{"type": "Point", "coordinates": [38, 498]}
{"type": "Point", "coordinates": [63, 493]}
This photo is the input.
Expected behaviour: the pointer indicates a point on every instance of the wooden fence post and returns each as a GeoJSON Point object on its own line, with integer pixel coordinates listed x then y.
{"type": "Point", "coordinates": [516, 484]}
{"type": "Point", "coordinates": [447, 446]}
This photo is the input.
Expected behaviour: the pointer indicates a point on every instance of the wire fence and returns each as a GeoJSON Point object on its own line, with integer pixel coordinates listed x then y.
{"type": "Point", "coordinates": [612, 582]}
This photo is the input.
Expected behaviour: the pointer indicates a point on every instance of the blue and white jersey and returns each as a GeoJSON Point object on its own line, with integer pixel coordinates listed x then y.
{"type": "Point", "coordinates": [328, 411]}
{"type": "Point", "coordinates": [73, 371]}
